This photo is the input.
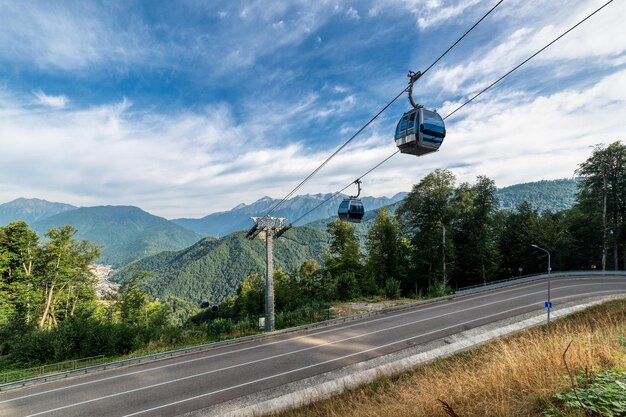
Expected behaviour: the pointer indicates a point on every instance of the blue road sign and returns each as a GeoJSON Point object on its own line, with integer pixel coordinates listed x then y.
{"type": "Point", "coordinates": [547, 304]}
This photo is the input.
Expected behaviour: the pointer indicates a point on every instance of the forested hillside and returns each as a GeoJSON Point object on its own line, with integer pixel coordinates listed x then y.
{"type": "Point", "coordinates": [214, 269]}
{"type": "Point", "coordinates": [191, 283]}
{"type": "Point", "coordinates": [552, 195]}
{"type": "Point", "coordinates": [125, 233]}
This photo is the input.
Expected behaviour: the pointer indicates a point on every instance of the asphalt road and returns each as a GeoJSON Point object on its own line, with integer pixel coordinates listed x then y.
{"type": "Point", "coordinates": [178, 385]}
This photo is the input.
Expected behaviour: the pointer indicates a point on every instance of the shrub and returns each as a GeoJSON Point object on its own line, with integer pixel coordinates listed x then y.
{"type": "Point", "coordinates": [603, 395]}
{"type": "Point", "coordinates": [392, 288]}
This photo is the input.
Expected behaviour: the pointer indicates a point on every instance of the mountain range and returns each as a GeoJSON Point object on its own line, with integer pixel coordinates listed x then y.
{"type": "Point", "coordinates": [127, 233]}
{"type": "Point", "coordinates": [223, 223]}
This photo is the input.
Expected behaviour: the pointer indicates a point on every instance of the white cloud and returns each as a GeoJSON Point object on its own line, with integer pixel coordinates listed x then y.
{"type": "Point", "coordinates": [426, 13]}
{"type": "Point", "coordinates": [434, 13]}
{"type": "Point", "coordinates": [585, 47]}
{"type": "Point", "coordinates": [59, 36]}
{"type": "Point", "coordinates": [193, 163]}
{"type": "Point", "coordinates": [51, 101]}
{"type": "Point", "coordinates": [352, 13]}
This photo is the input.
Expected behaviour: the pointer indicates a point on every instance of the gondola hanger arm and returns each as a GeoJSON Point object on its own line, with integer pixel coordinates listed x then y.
{"type": "Point", "coordinates": [358, 183]}
{"type": "Point", "coordinates": [413, 76]}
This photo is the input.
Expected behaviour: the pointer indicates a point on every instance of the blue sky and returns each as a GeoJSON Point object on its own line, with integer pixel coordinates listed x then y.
{"type": "Point", "coordinates": [189, 107]}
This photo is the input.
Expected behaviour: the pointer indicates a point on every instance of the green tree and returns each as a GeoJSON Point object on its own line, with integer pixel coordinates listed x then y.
{"type": "Point", "coordinates": [133, 300]}
{"type": "Point", "coordinates": [602, 193]}
{"type": "Point", "coordinates": [524, 227]}
{"type": "Point", "coordinates": [66, 274]}
{"type": "Point", "coordinates": [286, 291]}
{"type": "Point", "coordinates": [251, 296]}
{"type": "Point", "coordinates": [19, 251]}
{"type": "Point", "coordinates": [308, 278]}
{"type": "Point", "coordinates": [586, 237]}
{"type": "Point", "coordinates": [343, 255]}
{"type": "Point", "coordinates": [387, 253]}
{"type": "Point", "coordinates": [426, 216]}
{"type": "Point", "coordinates": [477, 256]}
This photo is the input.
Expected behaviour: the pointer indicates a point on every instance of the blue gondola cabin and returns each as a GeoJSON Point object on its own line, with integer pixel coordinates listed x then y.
{"type": "Point", "coordinates": [420, 131]}
{"type": "Point", "coordinates": [351, 210]}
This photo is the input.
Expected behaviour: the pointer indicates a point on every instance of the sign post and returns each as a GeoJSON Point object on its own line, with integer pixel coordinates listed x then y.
{"type": "Point", "coordinates": [548, 304]}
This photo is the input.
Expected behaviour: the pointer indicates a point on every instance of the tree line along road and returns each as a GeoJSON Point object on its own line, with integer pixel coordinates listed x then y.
{"type": "Point", "coordinates": [191, 382]}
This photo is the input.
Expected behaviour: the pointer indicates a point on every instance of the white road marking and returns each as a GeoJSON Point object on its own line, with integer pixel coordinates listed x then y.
{"type": "Point", "coordinates": [337, 327]}
{"type": "Point", "coordinates": [319, 346]}
{"type": "Point", "coordinates": [334, 359]}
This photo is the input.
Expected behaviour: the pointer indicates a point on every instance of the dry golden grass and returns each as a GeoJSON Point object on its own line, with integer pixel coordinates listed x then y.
{"type": "Point", "coordinates": [515, 376]}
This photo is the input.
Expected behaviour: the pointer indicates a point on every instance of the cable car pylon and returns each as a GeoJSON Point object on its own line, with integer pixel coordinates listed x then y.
{"type": "Point", "coordinates": [268, 228]}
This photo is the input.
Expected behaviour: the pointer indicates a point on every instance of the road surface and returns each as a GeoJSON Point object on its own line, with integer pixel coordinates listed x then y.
{"type": "Point", "coordinates": [190, 382]}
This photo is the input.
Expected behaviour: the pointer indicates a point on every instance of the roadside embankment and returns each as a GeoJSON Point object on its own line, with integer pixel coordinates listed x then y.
{"type": "Point", "coordinates": [508, 368]}
{"type": "Point", "coordinates": [513, 376]}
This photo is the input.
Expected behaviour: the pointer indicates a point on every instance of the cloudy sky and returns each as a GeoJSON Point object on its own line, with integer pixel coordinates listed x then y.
{"type": "Point", "coordinates": [189, 107]}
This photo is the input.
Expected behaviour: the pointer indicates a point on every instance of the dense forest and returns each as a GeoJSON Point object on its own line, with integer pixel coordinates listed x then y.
{"type": "Point", "coordinates": [213, 269]}
{"type": "Point", "coordinates": [48, 305]}
{"type": "Point", "coordinates": [443, 236]}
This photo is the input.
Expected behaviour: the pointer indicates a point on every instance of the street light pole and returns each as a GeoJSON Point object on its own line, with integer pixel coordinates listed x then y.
{"type": "Point", "coordinates": [549, 304]}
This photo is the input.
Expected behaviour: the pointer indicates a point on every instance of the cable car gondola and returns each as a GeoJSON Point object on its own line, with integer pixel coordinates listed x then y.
{"type": "Point", "coordinates": [419, 131]}
{"type": "Point", "coordinates": [351, 209]}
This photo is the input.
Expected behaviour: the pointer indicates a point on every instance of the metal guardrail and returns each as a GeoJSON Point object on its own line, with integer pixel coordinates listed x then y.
{"type": "Point", "coordinates": [533, 277]}
{"type": "Point", "coordinates": [39, 371]}
{"type": "Point", "coordinates": [208, 346]}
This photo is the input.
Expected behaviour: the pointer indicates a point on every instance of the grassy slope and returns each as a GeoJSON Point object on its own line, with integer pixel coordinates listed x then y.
{"type": "Point", "coordinates": [515, 376]}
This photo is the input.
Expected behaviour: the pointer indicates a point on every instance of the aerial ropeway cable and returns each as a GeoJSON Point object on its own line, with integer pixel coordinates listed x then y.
{"type": "Point", "coordinates": [459, 107]}
{"type": "Point", "coordinates": [371, 120]}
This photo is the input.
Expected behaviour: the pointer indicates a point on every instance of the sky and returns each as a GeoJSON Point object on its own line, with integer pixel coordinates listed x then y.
{"type": "Point", "coordinates": [189, 107]}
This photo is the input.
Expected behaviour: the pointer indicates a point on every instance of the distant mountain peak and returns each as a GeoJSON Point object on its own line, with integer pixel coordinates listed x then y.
{"type": "Point", "coordinates": [23, 202]}
{"type": "Point", "coordinates": [307, 205]}
{"type": "Point", "coordinates": [126, 233]}
{"type": "Point", "coordinates": [30, 210]}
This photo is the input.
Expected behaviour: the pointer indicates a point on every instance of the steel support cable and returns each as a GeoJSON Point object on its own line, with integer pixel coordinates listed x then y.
{"type": "Point", "coordinates": [468, 101]}
{"type": "Point", "coordinates": [528, 59]}
{"type": "Point", "coordinates": [335, 153]}
{"type": "Point", "coordinates": [281, 202]}
{"type": "Point", "coordinates": [344, 188]}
